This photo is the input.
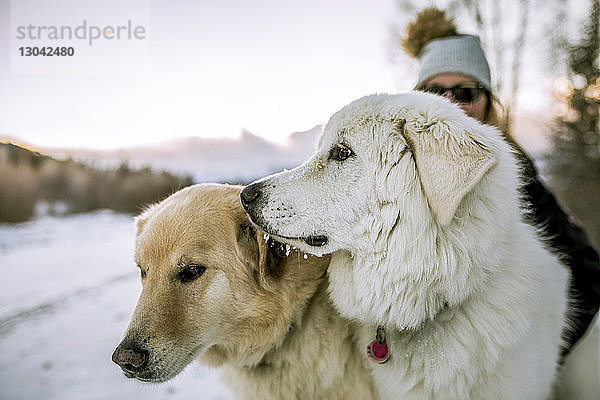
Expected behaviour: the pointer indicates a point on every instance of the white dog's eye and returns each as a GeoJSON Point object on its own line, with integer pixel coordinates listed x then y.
{"type": "Point", "coordinates": [340, 153]}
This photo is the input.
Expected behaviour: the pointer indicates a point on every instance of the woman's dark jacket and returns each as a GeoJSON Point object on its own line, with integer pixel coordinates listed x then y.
{"type": "Point", "coordinates": [571, 244]}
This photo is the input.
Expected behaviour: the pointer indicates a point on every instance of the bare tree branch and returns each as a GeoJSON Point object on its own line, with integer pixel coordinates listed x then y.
{"type": "Point", "coordinates": [517, 58]}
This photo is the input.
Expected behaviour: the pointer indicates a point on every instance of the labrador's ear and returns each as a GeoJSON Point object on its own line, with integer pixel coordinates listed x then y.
{"type": "Point", "coordinates": [142, 219]}
{"type": "Point", "coordinates": [262, 254]}
{"type": "Point", "coordinates": [271, 260]}
{"type": "Point", "coordinates": [450, 162]}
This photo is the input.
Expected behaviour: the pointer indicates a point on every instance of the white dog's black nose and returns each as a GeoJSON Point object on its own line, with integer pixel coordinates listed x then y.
{"type": "Point", "coordinates": [249, 195]}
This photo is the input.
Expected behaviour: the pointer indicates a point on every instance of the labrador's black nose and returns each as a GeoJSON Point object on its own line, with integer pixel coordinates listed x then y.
{"type": "Point", "coordinates": [250, 194]}
{"type": "Point", "coordinates": [130, 359]}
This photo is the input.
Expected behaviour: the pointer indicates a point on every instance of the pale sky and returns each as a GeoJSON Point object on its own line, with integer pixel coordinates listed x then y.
{"type": "Point", "coordinates": [205, 68]}
{"type": "Point", "coordinates": [211, 68]}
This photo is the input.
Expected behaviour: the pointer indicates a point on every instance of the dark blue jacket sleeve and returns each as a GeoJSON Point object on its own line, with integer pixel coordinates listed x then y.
{"type": "Point", "coordinates": [571, 244]}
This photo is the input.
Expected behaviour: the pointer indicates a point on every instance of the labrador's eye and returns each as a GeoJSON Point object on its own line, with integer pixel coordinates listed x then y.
{"type": "Point", "coordinates": [191, 272]}
{"type": "Point", "coordinates": [142, 271]}
{"type": "Point", "coordinates": [340, 153]}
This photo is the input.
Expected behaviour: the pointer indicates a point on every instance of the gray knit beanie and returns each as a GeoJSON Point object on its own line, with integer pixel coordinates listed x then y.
{"type": "Point", "coordinates": [454, 54]}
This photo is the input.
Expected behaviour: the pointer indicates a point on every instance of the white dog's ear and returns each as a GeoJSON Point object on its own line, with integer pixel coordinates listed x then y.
{"type": "Point", "coordinates": [450, 162]}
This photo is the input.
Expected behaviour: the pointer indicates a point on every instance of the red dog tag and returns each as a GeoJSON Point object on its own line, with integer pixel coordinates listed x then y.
{"type": "Point", "coordinates": [377, 350]}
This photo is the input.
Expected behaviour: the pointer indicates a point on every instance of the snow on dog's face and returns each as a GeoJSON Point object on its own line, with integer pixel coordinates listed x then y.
{"type": "Point", "coordinates": [414, 150]}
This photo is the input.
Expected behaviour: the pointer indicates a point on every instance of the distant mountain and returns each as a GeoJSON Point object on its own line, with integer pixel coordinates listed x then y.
{"type": "Point", "coordinates": [209, 160]}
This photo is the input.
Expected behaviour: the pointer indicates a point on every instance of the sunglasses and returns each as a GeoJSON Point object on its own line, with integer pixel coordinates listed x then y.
{"type": "Point", "coordinates": [462, 94]}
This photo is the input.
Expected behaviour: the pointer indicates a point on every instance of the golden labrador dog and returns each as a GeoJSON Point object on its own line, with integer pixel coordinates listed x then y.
{"type": "Point", "coordinates": [217, 289]}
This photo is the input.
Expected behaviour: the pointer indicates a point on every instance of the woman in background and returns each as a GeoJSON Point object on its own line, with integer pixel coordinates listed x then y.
{"type": "Point", "coordinates": [454, 65]}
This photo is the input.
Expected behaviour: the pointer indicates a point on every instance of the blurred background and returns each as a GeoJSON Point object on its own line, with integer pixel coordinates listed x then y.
{"type": "Point", "coordinates": [228, 92]}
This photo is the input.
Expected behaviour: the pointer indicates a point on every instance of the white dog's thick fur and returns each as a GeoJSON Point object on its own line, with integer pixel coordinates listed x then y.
{"type": "Point", "coordinates": [419, 205]}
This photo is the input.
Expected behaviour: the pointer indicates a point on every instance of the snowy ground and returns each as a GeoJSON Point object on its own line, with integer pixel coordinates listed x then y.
{"type": "Point", "coordinates": [69, 286]}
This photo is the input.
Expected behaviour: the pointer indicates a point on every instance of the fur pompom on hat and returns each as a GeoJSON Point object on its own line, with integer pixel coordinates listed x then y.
{"type": "Point", "coordinates": [433, 39]}
{"type": "Point", "coordinates": [429, 24]}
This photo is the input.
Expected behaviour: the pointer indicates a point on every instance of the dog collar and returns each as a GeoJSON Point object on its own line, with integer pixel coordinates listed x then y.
{"type": "Point", "coordinates": [378, 350]}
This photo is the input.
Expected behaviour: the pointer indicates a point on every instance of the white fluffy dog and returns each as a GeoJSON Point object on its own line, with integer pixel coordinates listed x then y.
{"type": "Point", "coordinates": [419, 205]}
